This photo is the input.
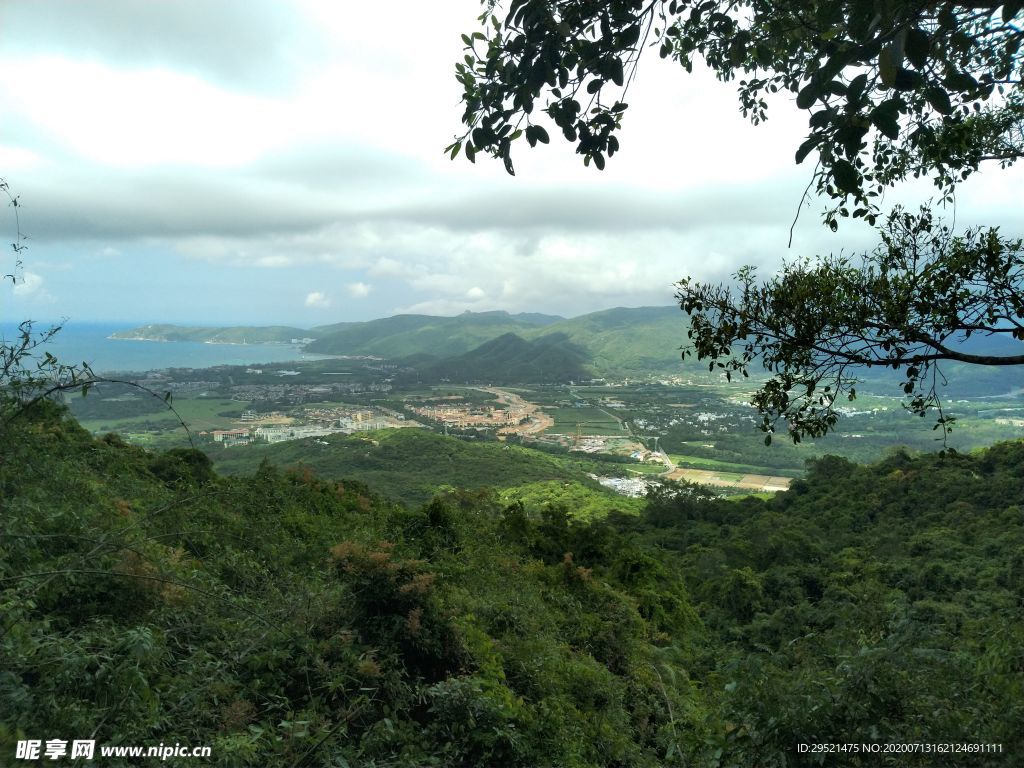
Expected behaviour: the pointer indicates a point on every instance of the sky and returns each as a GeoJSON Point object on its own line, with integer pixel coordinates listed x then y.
{"type": "Point", "coordinates": [264, 162]}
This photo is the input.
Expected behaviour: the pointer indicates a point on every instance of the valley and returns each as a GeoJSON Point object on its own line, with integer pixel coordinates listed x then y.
{"type": "Point", "coordinates": [619, 432]}
{"type": "Point", "coordinates": [688, 426]}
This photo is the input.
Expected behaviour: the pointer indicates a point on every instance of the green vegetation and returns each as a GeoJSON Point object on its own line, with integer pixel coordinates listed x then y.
{"type": "Point", "coordinates": [413, 464]}
{"type": "Point", "coordinates": [288, 619]}
{"type": "Point", "coordinates": [115, 403]}
{"type": "Point", "coordinates": [910, 306]}
{"type": "Point", "coordinates": [705, 425]}
{"type": "Point", "coordinates": [699, 462]}
{"type": "Point", "coordinates": [423, 335]}
{"type": "Point", "coordinates": [591, 421]}
{"type": "Point", "coordinates": [646, 469]}
{"type": "Point", "coordinates": [199, 413]}
{"type": "Point", "coordinates": [877, 602]}
{"type": "Point", "coordinates": [891, 92]}
{"type": "Point", "coordinates": [625, 341]}
{"type": "Point", "coordinates": [583, 502]}
{"type": "Point", "coordinates": [894, 92]}
{"type": "Point", "coordinates": [502, 348]}
{"type": "Point", "coordinates": [511, 359]}
{"type": "Point", "coordinates": [262, 334]}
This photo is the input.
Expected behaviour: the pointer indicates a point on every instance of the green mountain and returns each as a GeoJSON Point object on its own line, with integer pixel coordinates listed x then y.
{"type": "Point", "coordinates": [621, 340]}
{"type": "Point", "coordinates": [405, 335]}
{"type": "Point", "coordinates": [510, 359]}
{"type": "Point", "coordinates": [501, 348]}
{"type": "Point", "coordinates": [411, 464]}
{"type": "Point", "coordinates": [281, 618]}
{"type": "Point", "coordinates": [268, 334]}
{"type": "Point", "coordinates": [323, 330]}
{"type": "Point", "coordinates": [642, 339]}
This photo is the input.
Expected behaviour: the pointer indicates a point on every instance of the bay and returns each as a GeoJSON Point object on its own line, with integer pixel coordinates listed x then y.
{"type": "Point", "coordinates": [88, 342]}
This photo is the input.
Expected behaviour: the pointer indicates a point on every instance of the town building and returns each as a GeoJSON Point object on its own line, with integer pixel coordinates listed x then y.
{"type": "Point", "coordinates": [220, 434]}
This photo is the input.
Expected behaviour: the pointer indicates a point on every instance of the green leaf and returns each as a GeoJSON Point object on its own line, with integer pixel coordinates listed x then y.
{"type": "Point", "coordinates": [856, 88]}
{"type": "Point", "coordinates": [737, 51]}
{"type": "Point", "coordinates": [845, 177]}
{"type": "Point", "coordinates": [962, 82]}
{"type": "Point", "coordinates": [939, 100]}
{"type": "Point", "coordinates": [808, 95]}
{"type": "Point", "coordinates": [907, 80]}
{"type": "Point", "coordinates": [887, 123]}
{"type": "Point", "coordinates": [805, 149]}
{"type": "Point", "coordinates": [916, 47]}
{"type": "Point", "coordinates": [618, 76]}
{"type": "Point", "coordinates": [535, 133]}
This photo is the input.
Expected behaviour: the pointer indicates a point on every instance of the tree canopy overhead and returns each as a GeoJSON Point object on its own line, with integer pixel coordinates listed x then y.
{"type": "Point", "coordinates": [909, 305]}
{"type": "Point", "coordinates": [893, 89]}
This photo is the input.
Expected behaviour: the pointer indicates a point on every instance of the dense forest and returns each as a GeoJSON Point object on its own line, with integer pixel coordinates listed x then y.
{"type": "Point", "coordinates": [403, 599]}
{"type": "Point", "coordinates": [286, 619]}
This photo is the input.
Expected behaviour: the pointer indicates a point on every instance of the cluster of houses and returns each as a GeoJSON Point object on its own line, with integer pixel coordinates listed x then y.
{"type": "Point", "coordinates": [463, 415]}
{"type": "Point", "coordinates": [357, 421]}
{"type": "Point", "coordinates": [634, 487]}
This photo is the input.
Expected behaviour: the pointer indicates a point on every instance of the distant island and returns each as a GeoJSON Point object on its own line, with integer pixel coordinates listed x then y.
{"type": "Point", "coordinates": [271, 334]}
{"type": "Point", "coordinates": [486, 345]}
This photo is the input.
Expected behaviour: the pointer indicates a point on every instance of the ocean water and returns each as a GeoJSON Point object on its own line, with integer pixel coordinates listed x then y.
{"type": "Point", "coordinates": [88, 342]}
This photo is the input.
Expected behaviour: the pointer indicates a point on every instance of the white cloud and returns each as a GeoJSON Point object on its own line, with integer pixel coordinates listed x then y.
{"type": "Point", "coordinates": [17, 158]}
{"type": "Point", "coordinates": [444, 307]}
{"type": "Point", "coordinates": [318, 300]}
{"type": "Point", "coordinates": [387, 267]}
{"type": "Point", "coordinates": [29, 283]}
{"type": "Point", "coordinates": [30, 286]}
{"type": "Point", "coordinates": [241, 162]}
{"type": "Point", "coordinates": [276, 260]}
{"type": "Point", "coordinates": [359, 290]}
{"type": "Point", "coordinates": [132, 118]}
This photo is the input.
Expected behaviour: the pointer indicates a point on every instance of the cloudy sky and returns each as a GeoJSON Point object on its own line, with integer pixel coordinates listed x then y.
{"type": "Point", "coordinates": [243, 161]}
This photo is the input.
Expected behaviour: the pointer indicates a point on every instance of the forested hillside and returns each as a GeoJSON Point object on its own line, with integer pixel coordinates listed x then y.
{"type": "Point", "coordinates": [411, 464]}
{"type": "Point", "coordinates": [510, 359]}
{"type": "Point", "coordinates": [286, 619]}
{"type": "Point", "coordinates": [404, 335]}
{"type": "Point", "coordinates": [495, 345]}
{"type": "Point", "coordinates": [627, 339]}
{"type": "Point", "coordinates": [249, 334]}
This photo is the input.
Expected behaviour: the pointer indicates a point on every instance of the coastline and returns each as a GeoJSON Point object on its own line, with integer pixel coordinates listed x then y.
{"type": "Point", "coordinates": [114, 337]}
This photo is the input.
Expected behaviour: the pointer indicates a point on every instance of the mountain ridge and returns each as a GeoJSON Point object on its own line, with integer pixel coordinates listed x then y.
{"type": "Point", "coordinates": [615, 340]}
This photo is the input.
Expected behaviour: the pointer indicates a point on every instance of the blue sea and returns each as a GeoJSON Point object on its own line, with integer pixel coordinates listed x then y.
{"type": "Point", "coordinates": [89, 342]}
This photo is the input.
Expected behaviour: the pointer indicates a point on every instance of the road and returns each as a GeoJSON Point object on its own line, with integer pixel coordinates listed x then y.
{"type": "Point", "coordinates": [539, 421]}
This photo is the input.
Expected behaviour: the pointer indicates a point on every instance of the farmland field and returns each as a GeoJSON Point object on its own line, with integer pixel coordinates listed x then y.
{"type": "Point", "coordinates": [592, 421]}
